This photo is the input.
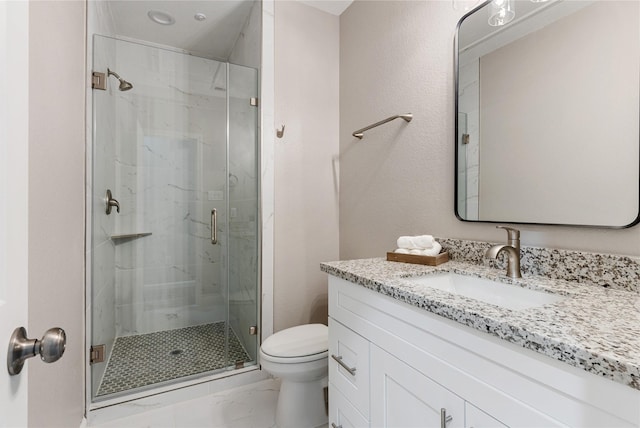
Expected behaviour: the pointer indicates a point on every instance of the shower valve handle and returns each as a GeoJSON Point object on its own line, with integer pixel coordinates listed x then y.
{"type": "Point", "coordinates": [112, 203]}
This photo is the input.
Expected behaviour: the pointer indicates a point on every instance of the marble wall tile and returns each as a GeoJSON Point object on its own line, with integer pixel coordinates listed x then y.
{"type": "Point", "coordinates": [171, 167]}
{"type": "Point", "coordinates": [166, 161]}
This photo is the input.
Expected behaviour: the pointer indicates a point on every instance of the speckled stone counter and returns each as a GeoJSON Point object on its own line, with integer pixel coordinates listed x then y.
{"type": "Point", "coordinates": [595, 328]}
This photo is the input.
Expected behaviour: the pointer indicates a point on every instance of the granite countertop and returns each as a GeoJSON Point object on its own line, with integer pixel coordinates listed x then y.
{"type": "Point", "coordinates": [596, 329]}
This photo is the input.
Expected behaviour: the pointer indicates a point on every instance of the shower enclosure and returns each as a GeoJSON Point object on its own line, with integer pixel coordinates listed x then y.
{"type": "Point", "coordinates": [174, 236]}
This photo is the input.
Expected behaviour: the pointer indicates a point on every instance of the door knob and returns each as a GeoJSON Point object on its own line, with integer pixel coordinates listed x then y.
{"type": "Point", "coordinates": [50, 347]}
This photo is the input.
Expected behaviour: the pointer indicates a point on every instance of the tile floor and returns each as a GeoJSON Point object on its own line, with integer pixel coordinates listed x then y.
{"type": "Point", "coordinates": [250, 406]}
{"type": "Point", "coordinates": [145, 359]}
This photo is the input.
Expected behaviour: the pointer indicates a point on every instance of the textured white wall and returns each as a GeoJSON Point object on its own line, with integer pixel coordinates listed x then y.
{"type": "Point", "coordinates": [395, 57]}
{"type": "Point", "coordinates": [56, 206]}
{"type": "Point", "coordinates": [306, 200]}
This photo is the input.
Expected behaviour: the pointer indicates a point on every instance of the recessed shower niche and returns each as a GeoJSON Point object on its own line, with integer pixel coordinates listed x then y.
{"type": "Point", "coordinates": [175, 262]}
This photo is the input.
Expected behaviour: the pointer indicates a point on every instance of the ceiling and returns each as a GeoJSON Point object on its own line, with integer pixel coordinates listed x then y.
{"type": "Point", "coordinates": [214, 37]}
{"type": "Point", "coordinates": [334, 7]}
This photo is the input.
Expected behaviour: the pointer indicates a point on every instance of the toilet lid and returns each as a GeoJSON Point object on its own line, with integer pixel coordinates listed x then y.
{"type": "Point", "coordinates": [298, 341]}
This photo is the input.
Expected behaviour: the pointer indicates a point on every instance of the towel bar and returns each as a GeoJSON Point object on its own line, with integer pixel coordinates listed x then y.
{"type": "Point", "coordinates": [360, 132]}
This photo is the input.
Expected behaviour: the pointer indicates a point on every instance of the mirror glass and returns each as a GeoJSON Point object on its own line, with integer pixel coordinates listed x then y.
{"type": "Point", "coordinates": [547, 110]}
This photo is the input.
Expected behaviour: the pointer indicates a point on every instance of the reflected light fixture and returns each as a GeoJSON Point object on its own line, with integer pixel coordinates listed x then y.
{"type": "Point", "coordinates": [501, 12]}
{"type": "Point", "coordinates": [162, 18]}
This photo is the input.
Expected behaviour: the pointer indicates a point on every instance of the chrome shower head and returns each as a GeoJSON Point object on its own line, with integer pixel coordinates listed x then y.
{"type": "Point", "coordinates": [124, 85]}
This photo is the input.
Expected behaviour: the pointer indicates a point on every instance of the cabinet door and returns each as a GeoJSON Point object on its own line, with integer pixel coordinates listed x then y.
{"type": "Point", "coordinates": [342, 413]}
{"type": "Point", "coordinates": [402, 397]}
{"type": "Point", "coordinates": [350, 350]}
{"type": "Point", "coordinates": [476, 418]}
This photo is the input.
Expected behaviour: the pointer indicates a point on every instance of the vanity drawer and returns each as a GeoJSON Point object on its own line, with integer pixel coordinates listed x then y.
{"type": "Point", "coordinates": [349, 365]}
{"type": "Point", "coordinates": [342, 413]}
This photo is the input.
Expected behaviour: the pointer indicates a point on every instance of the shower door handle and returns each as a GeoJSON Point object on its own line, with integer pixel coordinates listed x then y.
{"type": "Point", "coordinates": [214, 226]}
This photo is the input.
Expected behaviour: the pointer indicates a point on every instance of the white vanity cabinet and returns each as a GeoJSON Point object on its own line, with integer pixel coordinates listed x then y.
{"type": "Point", "coordinates": [342, 413]}
{"type": "Point", "coordinates": [476, 418]}
{"type": "Point", "coordinates": [401, 396]}
{"type": "Point", "coordinates": [392, 364]}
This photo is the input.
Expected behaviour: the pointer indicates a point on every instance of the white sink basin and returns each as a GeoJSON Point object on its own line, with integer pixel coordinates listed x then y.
{"type": "Point", "coordinates": [504, 295]}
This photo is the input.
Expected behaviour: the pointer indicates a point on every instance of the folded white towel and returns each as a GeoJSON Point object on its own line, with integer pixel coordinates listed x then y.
{"type": "Point", "coordinates": [434, 251]}
{"type": "Point", "coordinates": [406, 242]}
{"type": "Point", "coordinates": [423, 241]}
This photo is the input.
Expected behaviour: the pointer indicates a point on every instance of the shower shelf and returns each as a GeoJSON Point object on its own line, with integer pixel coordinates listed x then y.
{"type": "Point", "coordinates": [130, 235]}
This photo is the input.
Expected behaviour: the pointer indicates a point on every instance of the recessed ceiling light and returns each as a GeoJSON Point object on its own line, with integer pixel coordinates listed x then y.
{"type": "Point", "coordinates": [161, 18]}
{"type": "Point", "coordinates": [199, 16]}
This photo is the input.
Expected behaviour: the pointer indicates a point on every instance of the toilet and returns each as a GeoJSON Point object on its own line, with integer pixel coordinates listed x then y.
{"type": "Point", "coordinates": [298, 356]}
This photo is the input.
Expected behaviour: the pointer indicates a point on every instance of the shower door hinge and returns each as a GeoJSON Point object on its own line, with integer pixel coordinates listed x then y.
{"type": "Point", "coordinates": [253, 330]}
{"type": "Point", "coordinates": [253, 101]}
{"type": "Point", "coordinates": [99, 80]}
{"type": "Point", "coordinates": [96, 354]}
{"type": "Point", "coordinates": [465, 138]}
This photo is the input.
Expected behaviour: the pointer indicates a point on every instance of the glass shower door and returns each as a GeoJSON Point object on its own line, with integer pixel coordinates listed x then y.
{"type": "Point", "coordinates": [244, 259]}
{"type": "Point", "coordinates": [160, 282]}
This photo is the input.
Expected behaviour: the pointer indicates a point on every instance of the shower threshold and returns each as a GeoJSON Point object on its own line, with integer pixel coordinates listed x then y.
{"type": "Point", "coordinates": [147, 359]}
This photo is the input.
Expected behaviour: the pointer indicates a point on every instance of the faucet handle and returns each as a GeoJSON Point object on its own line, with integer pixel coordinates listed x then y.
{"type": "Point", "coordinates": [512, 233]}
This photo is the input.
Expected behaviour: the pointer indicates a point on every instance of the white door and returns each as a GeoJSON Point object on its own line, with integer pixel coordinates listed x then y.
{"type": "Point", "coordinates": [14, 72]}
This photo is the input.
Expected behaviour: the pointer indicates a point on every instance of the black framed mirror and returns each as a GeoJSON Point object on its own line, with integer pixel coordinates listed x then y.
{"type": "Point", "coordinates": [547, 114]}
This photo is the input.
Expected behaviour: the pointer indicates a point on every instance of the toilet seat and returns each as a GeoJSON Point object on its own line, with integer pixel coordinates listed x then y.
{"type": "Point", "coordinates": [298, 344]}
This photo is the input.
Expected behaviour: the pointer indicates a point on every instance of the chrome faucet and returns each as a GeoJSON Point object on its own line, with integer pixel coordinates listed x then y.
{"type": "Point", "coordinates": [513, 251]}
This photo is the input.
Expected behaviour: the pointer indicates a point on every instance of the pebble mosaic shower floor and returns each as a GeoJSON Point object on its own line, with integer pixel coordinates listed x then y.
{"type": "Point", "coordinates": [145, 359]}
